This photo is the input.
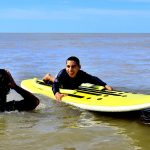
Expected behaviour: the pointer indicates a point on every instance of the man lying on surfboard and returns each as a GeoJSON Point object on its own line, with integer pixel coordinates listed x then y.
{"type": "Point", "coordinates": [72, 77]}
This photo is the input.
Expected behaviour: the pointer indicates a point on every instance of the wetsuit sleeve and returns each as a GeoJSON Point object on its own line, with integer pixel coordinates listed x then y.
{"type": "Point", "coordinates": [29, 101]}
{"type": "Point", "coordinates": [56, 84]}
{"type": "Point", "coordinates": [93, 79]}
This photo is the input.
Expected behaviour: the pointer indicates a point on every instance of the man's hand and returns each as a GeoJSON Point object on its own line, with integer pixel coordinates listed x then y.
{"type": "Point", "coordinates": [108, 87]}
{"type": "Point", "coordinates": [59, 96]}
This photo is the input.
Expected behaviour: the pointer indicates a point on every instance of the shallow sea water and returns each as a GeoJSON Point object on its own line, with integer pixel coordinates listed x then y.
{"type": "Point", "coordinates": [121, 60]}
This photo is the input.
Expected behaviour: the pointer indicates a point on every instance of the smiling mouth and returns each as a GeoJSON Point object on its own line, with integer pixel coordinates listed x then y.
{"type": "Point", "coordinates": [71, 73]}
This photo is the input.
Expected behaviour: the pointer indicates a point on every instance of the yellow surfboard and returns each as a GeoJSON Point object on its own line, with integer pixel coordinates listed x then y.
{"type": "Point", "coordinates": [92, 97]}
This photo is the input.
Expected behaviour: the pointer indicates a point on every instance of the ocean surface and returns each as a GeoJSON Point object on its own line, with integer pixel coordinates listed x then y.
{"type": "Point", "coordinates": [121, 60]}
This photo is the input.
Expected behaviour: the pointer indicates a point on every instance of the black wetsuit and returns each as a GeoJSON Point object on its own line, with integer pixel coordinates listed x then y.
{"type": "Point", "coordinates": [29, 101]}
{"type": "Point", "coordinates": [64, 81]}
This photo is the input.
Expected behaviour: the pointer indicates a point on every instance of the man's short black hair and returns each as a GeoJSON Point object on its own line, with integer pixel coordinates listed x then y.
{"type": "Point", "coordinates": [74, 58]}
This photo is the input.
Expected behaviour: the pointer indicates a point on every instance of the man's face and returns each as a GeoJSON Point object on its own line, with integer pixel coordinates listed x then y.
{"type": "Point", "coordinates": [72, 68]}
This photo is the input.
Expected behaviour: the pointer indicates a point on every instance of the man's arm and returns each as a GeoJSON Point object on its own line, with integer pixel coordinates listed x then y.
{"type": "Point", "coordinates": [56, 85]}
{"type": "Point", "coordinates": [25, 94]}
{"type": "Point", "coordinates": [95, 80]}
{"type": "Point", "coordinates": [55, 88]}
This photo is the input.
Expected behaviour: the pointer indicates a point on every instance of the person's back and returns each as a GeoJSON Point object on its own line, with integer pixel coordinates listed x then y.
{"type": "Point", "coordinates": [4, 89]}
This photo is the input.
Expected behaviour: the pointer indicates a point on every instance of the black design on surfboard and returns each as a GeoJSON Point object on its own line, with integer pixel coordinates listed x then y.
{"type": "Point", "coordinates": [89, 90]}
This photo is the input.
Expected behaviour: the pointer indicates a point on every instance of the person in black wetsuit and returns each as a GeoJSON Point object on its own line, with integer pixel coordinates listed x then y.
{"type": "Point", "coordinates": [29, 101]}
{"type": "Point", "coordinates": [72, 77]}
